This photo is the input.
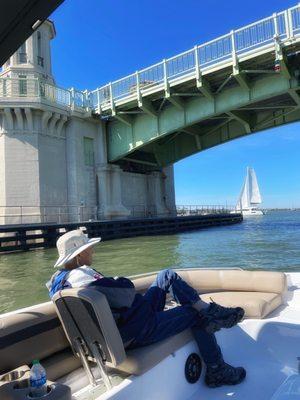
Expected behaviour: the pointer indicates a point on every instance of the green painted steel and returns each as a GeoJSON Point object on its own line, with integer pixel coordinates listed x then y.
{"type": "Point", "coordinates": [145, 132]}
{"type": "Point", "coordinates": [241, 83]}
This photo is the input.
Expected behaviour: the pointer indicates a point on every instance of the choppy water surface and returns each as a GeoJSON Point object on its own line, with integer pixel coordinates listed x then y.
{"type": "Point", "coordinates": [268, 242]}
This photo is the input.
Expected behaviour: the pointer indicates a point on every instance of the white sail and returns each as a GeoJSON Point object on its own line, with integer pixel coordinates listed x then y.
{"type": "Point", "coordinates": [244, 198]}
{"type": "Point", "coordinates": [250, 194]}
{"type": "Point", "coordinates": [255, 197]}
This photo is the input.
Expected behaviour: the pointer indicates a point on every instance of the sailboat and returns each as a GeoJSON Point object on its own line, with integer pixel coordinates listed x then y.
{"type": "Point", "coordinates": [250, 196]}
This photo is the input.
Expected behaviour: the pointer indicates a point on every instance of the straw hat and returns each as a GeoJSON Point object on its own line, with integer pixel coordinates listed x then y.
{"type": "Point", "coordinates": [71, 244]}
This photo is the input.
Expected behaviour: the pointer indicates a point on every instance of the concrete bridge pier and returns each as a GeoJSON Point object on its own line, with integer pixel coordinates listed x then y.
{"type": "Point", "coordinates": [169, 189]}
{"type": "Point", "coordinates": [109, 192]}
{"type": "Point", "coordinates": [157, 194]}
{"type": "Point", "coordinates": [54, 164]}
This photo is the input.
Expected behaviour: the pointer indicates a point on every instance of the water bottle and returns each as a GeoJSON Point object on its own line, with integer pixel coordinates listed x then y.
{"type": "Point", "coordinates": [38, 380]}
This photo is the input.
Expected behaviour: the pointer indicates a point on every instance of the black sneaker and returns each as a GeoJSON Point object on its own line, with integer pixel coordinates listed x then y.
{"type": "Point", "coordinates": [224, 374]}
{"type": "Point", "coordinates": [216, 317]}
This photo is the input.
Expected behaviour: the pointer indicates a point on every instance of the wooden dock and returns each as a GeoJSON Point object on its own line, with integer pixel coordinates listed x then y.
{"type": "Point", "coordinates": [31, 236]}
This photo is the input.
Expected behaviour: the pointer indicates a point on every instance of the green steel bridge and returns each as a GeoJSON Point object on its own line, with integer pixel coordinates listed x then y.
{"type": "Point", "coordinates": [241, 83]}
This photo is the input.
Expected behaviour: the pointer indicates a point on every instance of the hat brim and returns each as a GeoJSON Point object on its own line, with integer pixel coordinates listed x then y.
{"type": "Point", "coordinates": [64, 259]}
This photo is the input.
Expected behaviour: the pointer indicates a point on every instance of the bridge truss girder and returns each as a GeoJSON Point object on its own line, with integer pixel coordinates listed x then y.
{"type": "Point", "coordinates": [189, 120]}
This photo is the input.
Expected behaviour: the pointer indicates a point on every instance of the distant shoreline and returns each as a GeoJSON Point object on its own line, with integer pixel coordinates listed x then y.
{"type": "Point", "coordinates": [282, 209]}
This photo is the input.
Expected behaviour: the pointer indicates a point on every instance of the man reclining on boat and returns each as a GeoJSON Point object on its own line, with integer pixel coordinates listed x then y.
{"type": "Point", "coordinates": [141, 319]}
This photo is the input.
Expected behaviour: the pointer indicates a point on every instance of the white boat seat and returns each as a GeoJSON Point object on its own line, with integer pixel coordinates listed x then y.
{"type": "Point", "coordinates": [255, 304]}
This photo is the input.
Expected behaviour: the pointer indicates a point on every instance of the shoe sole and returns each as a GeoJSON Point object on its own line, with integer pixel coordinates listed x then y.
{"type": "Point", "coordinates": [215, 384]}
{"type": "Point", "coordinates": [214, 326]}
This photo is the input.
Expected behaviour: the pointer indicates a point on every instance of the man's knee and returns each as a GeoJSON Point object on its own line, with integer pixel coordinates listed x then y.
{"type": "Point", "coordinates": [166, 278]}
{"type": "Point", "coordinates": [167, 273]}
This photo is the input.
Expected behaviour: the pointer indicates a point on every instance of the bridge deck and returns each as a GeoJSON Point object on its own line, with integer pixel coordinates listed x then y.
{"type": "Point", "coordinates": [240, 83]}
{"type": "Point", "coordinates": [239, 45]}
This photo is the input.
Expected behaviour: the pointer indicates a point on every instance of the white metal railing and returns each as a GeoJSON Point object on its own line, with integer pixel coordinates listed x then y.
{"type": "Point", "coordinates": [66, 213]}
{"type": "Point", "coordinates": [203, 209]}
{"type": "Point", "coordinates": [46, 214]}
{"type": "Point", "coordinates": [37, 88]}
{"type": "Point", "coordinates": [284, 25]}
{"type": "Point", "coordinates": [81, 213]}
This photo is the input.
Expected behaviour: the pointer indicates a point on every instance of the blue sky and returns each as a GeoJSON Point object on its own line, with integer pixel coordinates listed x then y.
{"type": "Point", "coordinates": [100, 41]}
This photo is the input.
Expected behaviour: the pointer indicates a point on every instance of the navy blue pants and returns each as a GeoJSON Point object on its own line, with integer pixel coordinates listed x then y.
{"type": "Point", "coordinates": [170, 322]}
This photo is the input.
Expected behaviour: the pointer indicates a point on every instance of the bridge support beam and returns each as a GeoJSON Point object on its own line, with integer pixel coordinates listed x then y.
{"type": "Point", "coordinates": [250, 110]}
{"type": "Point", "coordinates": [295, 96]}
{"type": "Point", "coordinates": [125, 119]}
{"type": "Point", "coordinates": [239, 76]}
{"type": "Point", "coordinates": [242, 118]}
{"type": "Point", "coordinates": [147, 107]}
{"type": "Point", "coordinates": [195, 134]}
{"type": "Point", "coordinates": [204, 88]}
{"type": "Point", "coordinates": [176, 101]}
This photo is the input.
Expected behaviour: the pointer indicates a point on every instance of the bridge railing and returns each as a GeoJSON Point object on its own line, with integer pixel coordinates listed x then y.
{"type": "Point", "coordinates": [284, 25]}
{"type": "Point", "coordinates": [18, 88]}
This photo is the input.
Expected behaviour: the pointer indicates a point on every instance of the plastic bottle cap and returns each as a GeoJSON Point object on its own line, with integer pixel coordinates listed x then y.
{"type": "Point", "coordinates": [35, 362]}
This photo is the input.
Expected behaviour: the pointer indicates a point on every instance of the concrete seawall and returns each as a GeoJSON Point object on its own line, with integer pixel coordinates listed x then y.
{"type": "Point", "coordinates": [30, 236]}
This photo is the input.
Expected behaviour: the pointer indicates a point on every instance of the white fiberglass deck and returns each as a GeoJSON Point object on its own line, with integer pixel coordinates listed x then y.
{"type": "Point", "coordinates": [267, 348]}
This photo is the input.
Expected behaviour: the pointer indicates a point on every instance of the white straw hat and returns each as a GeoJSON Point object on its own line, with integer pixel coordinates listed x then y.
{"type": "Point", "coordinates": [71, 244]}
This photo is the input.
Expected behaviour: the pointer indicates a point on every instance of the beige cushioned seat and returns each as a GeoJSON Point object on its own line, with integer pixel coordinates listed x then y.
{"type": "Point", "coordinates": [208, 281]}
{"type": "Point", "coordinates": [255, 304]}
{"type": "Point", "coordinates": [37, 333]}
{"type": "Point", "coordinates": [60, 364]}
{"type": "Point", "coordinates": [29, 334]}
{"type": "Point", "coordinates": [142, 359]}
{"type": "Point", "coordinates": [258, 292]}
{"type": "Point", "coordinates": [85, 314]}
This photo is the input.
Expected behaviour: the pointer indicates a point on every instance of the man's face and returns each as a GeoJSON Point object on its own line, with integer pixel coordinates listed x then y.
{"type": "Point", "coordinates": [86, 257]}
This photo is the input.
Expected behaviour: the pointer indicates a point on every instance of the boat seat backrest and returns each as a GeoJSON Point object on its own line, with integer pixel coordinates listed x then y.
{"type": "Point", "coordinates": [33, 333]}
{"type": "Point", "coordinates": [86, 315]}
{"type": "Point", "coordinates": [205, 281]}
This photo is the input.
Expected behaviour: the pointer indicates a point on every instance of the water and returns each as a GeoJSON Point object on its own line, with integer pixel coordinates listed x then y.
{"type": "Point", "coordinates": [270, 242]}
